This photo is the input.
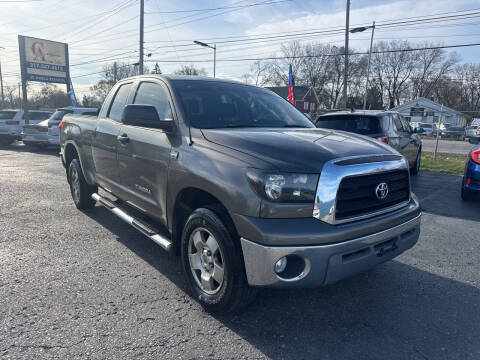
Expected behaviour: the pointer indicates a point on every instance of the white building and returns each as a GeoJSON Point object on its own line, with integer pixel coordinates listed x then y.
{"type": "Point", "coordinates": [428, 111]}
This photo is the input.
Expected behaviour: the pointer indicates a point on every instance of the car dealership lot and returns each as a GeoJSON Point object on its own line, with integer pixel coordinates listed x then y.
{"type": "Point", "coordinates": [87, 285]}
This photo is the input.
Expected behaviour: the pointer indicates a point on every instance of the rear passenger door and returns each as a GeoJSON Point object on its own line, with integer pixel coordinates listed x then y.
{"type": "Point", "coordinates": [143, 159]}
{"type": "Point", "coordinates": [105, 142]}
{"type": "Point", "coordinates": [401, 140]}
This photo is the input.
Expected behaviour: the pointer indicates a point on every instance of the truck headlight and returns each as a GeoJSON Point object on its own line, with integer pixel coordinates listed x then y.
{"type": "Point", "coordinates": [284, 187]}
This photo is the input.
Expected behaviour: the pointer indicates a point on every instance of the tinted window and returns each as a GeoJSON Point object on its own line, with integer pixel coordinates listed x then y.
{"type": "Point", "coordinates": [153, 94]}
{"type": "Point", "coordinates": [211, 104]}
{"type": "Point", "coordinates": [119, 101]}
{"type": "Point", "coordinates": [398, 123]}
{"type": "Point", "coordinates": [426, 126]}
{"type": "Point", "coordinates": [359, 124]}
{"type": "Point", "coordinates": [90, 113]}
{"type": "Point", "coordinates": [59, 114]}
{"type": "Point", "coordinates": [39, 115]}
{"type": "Point", "coordinates": [406, 125]}
{"type": "Point", "coordinates": [7, 114]}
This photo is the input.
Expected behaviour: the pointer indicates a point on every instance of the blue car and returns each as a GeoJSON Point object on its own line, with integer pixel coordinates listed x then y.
{"type": "Point", "coordinates": [471, 178]}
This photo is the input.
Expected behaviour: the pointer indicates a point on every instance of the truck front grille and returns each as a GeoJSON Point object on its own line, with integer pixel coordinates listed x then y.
{"type": "Point", "coordinates": [357, 194]}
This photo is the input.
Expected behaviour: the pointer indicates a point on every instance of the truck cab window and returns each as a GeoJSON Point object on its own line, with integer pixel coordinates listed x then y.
{"type": "Point", "coordinates": [119, 102]}
{"type": "Point", "coordinates": [153, 94]}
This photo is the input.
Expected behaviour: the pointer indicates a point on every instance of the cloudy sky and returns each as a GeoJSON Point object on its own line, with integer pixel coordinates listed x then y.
{"type": "Point", "coordinates": [100, 31]}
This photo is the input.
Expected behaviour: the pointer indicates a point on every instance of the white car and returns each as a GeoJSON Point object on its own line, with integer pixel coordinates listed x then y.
{"type": "Point", "coordinates": [53, 133]}
{"type": "Point", "coordinates": [12, 121]}
{"type": "Point", "coordinates": [36, 134]}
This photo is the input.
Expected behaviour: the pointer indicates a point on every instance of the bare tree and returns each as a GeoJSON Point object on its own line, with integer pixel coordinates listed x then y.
{"type": "Point", "coordinates": [432, 66]}
{"type": "Point", "coordinates": [190, 70]}
{"type": "Point", "coordinates": [392, 68]}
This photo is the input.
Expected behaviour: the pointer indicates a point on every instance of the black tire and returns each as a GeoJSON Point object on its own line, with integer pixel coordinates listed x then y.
{"type": "Point", "coordinates": [416, 165]}
{"type": "Point", "coordinates": [466, 194]}
{"type": "Point", "coordinates": [80, 190]}
{"type": "Point", "coordinates": [233, 292]}
{"type": "Point", "coordinates": [6, 142]}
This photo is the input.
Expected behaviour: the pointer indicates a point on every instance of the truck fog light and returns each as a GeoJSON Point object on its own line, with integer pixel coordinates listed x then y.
{"type": "Point", "coordinates": [280, 265]}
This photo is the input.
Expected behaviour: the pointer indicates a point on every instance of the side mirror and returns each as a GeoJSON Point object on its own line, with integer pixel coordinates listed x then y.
{"type": "Point", "coordinates": [145, 116]}
{"type": "Point", "coordinates": [419, 130]}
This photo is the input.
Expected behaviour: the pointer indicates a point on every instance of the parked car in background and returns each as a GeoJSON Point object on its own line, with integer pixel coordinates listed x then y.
{"type": "Point", "coordinates": [36, 134]}
{"type": "Point", "coordinates": [472, 133]}
{"type": "Point", "coordinates": [471, 177]}
{"type": "Point", "coordinates": [12, 121]}
{"type": "Point", "coordinates": [429, 129]}
{"type": "Point", "coordinates": [386, 126]}
{"type": "Point", "coordinates": [53, 133]}
{"type": "Point", "coordinates": [454, 132]}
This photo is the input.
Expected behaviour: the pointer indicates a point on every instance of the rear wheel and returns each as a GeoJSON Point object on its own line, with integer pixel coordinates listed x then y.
{"type": "Point", "coordinates": [6, 142]}
{"type": "Point", "coordinates": [466, 194]}
{"type": "Point", "coordinates": [81, 191]}
{"type": "Point", "coordinates": [416, 165]}
{"type": "Point", "coordinates": [213, 263]}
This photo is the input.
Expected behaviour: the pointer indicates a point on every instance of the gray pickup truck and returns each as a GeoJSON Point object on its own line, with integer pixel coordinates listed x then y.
{"type": "Point", "coordinates": [240, 184]}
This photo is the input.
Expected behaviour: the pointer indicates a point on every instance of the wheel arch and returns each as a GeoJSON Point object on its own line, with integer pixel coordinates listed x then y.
{"type": "Point", "coordinates": [188, 200]}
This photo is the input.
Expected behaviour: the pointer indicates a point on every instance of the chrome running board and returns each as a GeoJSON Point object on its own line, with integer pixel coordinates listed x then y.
{"type": "Point", "coordinates": [137, 224]}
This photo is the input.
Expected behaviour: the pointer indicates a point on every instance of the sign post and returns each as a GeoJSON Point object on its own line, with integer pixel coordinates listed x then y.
{"type": "Point", "coordinates": [44, 61]}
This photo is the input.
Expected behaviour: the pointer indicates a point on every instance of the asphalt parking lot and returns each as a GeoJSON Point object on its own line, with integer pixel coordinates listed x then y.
{"type": "Point", "coordinates": [86, 285]}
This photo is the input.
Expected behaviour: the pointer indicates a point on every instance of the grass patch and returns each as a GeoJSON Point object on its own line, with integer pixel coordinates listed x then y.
{"type": "Point", "coordinates": [445, 163]}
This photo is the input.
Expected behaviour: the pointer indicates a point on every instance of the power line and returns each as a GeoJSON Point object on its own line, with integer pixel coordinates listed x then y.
{"type": "Point", "coordinates": [314, 56]}
{"type": "Point", "coordinates": [211, 9]}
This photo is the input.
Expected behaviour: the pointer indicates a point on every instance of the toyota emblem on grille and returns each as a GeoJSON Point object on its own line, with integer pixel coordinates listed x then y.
{"type": "Point", "coordinates": [381, 191]}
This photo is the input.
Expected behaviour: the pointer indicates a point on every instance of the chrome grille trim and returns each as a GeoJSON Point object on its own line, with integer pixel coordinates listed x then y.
{"type": "Point", "coordinates": [333, 174]}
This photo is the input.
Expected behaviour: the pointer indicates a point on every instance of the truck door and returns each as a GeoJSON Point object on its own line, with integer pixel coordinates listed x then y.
{"type": "Point", "coordinates": [144, 153]}
{"type": "Point", "coordinates": [104, 149]}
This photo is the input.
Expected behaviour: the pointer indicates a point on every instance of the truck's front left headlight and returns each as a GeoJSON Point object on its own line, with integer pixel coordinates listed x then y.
{"type": "Point", "coordinates": [284, 187]}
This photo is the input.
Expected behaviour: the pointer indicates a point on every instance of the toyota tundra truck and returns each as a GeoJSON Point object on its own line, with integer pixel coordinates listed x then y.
{"type": "Point", "coordinates": [240, 185]}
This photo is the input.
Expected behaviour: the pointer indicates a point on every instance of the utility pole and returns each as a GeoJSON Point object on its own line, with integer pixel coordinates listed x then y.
{"type": "Point", "coordinates": [345, 79]}
{"type": "Point", "coordinates": [438, 133]}
{"type": "Point", "coordinates": [115, 72]}
{"type": "Point", "coordinates": [140, 67]}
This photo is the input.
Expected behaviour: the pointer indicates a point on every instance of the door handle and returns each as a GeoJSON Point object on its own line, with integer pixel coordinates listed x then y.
{"type": "Point", "coordinates": [123, 138]}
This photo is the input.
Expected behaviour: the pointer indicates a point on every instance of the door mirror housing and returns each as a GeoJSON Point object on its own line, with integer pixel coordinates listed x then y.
{"type": "Point", "coordinates": [145, 116]}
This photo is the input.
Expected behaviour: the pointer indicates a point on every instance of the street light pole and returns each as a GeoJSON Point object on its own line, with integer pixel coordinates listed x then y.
{"type": "Point", "coordinates": [361, 29]}
{"type": "Point", "coordinates": [214, 47]}
{"type": "Point", "coordinates": [345, 79]}
{"type": "Point", "coordinates": [368, 68]}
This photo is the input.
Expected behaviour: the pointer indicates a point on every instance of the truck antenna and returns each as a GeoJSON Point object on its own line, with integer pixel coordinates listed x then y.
{"type": "Point", "coordinates": [190, 133]}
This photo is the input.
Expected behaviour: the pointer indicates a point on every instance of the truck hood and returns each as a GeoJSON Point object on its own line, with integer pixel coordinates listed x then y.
{"type": "Point", "coordinates": [296, 150]}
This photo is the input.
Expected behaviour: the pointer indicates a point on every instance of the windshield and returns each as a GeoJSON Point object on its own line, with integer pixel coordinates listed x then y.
{"type": "Point", "coordinates": [7, 114]}
{"type": "Point", "coordinates": [58, 115]}
{"type": "Point", "coordinates": [359, 124]}
{"type": "Point", "coordinates": [211, 104]}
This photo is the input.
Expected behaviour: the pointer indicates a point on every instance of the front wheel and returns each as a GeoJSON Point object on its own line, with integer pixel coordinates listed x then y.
{"type": "Point", "coordinates": [213, 263]}
{"type": "Point", "coordinates": [80, 189]}
{"type": "Point", "coordinates": [416, 165]}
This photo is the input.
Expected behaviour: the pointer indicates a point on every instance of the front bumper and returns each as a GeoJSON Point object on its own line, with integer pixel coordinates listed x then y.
{"type": "Point", "coordinates": [324, 264]}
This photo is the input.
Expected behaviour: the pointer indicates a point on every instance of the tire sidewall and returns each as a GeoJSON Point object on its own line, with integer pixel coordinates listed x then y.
{"type": "Point", "coordinates": [74, 165]}
{"type": "Point", "coordinates": [204, 218]}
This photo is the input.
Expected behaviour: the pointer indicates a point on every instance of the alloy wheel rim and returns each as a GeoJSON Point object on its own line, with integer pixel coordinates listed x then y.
{"type": "Point", "coordinates": [206, 261]}
{"type": "Point", "coordinates": [75, 185]}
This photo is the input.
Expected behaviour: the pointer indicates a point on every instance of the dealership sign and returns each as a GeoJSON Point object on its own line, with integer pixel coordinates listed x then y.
{"type": "Point", "coordinates": [43, 60]}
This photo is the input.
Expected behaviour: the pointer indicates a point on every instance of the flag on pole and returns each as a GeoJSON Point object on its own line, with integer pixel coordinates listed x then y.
{"type": "Point", "coordinates": [291, 98]}
{"type": "Point", "coordinates": [72, 95]}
